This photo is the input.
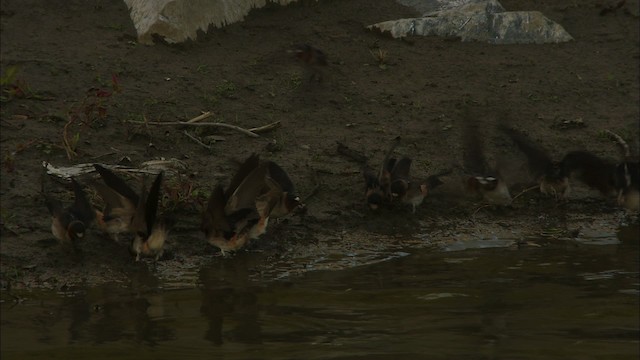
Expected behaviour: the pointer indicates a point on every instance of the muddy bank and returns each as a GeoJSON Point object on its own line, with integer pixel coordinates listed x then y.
{"type": "Point", "coordinates": [91, 77]}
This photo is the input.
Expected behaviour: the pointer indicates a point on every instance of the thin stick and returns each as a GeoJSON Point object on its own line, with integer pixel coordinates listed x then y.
{"type": "Point", "coordinates": [465, 23]}
{"type": "Point", "coordinates": [524, 191]}
{"type": "Point", "coordinates": [620, 141]}
{"type": "Point", "coordinates": [351, 154]}
{"type": "Point", "coordinates": [480, 208]}
{"type": "Point", "coordinates": [273, 125]}
{"type": "Point", "coordinates": [177, 123]}
{"type": "Point", "coordinates": [202, 116]}
{"type": "Point", "coordinates": [196, 140]}
{"type": "Point", "coordinates": [103, 155]}
{"type": "Point", "coordinates": [311, 194]}
{"type": "Point", "coordinates": [317, 183]}
{"type": "Point", "coordinates": [65, 141]}
{"type": "Point", "coordinates": [10, 230]}
{"type": "Point", "coordinates": [331, 172]}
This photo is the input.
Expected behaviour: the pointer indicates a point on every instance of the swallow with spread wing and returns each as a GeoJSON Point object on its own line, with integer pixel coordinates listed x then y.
{"type": "Point", "coordinates": [627, 179]}
{"type": "Point", "coordinates": [258, 191]}
{"type": "Point", "coordinates": [593, 171]}
{"type": "Point", "coordinates": [408, 190]}
{"type": "Point", "coordinates": [548, 173]}
{"type": "Point", "coordinates": [127, 211]}
{"type": "Point", "coordinates": [482, 179]}
{"type": "Point", "coordinates": [120, 203]}
{"type": "Point", "coordinates": [151, 232]}
{"type": "Point", "coordinates": [377, 184]}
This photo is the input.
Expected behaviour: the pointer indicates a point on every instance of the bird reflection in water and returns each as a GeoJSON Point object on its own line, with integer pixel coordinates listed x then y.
{"type": "Point", "coordinates": [228, 297]}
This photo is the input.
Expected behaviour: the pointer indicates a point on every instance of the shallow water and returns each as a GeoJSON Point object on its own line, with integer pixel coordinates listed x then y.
{"type": "Point", "coordinates": [563, 300]}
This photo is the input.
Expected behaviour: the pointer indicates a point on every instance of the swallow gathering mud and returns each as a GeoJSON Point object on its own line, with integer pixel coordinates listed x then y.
{"type": "Point", "coordinates": [261, 190]}
{"type": "Point", "coordinates": [257, 192]}
{"type": "Point", "coordinates": [607, 177]}
{"type": "Point", "coordinates": [128, 212]}
{"type": "Point", "coordinates": [68, 225]}
{"type": "Point", "coordinates": [393, 183]}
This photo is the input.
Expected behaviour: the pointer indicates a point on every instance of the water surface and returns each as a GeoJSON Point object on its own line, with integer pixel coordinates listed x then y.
{"type": "Point", "coordinates": [559, 300]}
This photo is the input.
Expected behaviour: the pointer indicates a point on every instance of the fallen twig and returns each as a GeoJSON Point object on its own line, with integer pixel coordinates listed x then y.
{"type": "Point", "coordinates": [621, 142]}
{"type": "Point", "coordinates": [177, 123]}
{"type": "Point", "coordinates": [312, 193]}
{"type": "Point", "coordinates": [524, 191]}
{"type": "Point", "coordinates": [351, 154]}
{"type": "Point", "coordinates": [202, 116]}
{"type": "Point", "coordinates": [103, 155]}
{"type": "Point", "coordinates": [332, 172]}
{"type": "Point", "coordinates": [197, 141]}
{"type": "Point", "coordinates": [265, 128]}
{"type": "Point", "coordinates": [316, 187]}
{"type": "Point", "coordinates": [68, 148]}
{"type": "Point", "coordinates": [8, 228]}
{"type": "Point", "coordinates": [480, 208]}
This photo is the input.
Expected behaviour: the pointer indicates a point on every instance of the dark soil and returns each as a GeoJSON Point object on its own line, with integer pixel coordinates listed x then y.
{"type": "Point", "coordinates": [78, 63]}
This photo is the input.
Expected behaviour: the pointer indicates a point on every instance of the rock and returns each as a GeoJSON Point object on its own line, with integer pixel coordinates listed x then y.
{"type": "Point", "coordinates": [480, 20]}
{"type": "Point", "coordinates": [178, 20]}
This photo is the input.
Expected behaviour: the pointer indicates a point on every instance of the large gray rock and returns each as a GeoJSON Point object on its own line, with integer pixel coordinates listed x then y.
{"type": "Point", "coordinates": [479, 20]}
{"type": "Point", "coordinates": [178, 20]}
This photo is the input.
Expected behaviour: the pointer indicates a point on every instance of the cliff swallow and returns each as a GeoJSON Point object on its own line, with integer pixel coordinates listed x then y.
{"type": "Point", "coordinates": [377, 184]}
{"type": "Point", "coordinates": [483, 179]}
{"type": "Point", "coordinates": [312, 57]}
{"type": "Point", "coordinates": [593, 171]}
{"type": "Point", "coordinates": [127, 211]}
{"type": "Point", "coordinates": [68, 225]}
{"type": "Point", "coordinates": [373, 194]}
{"type": "Point", "coordinates": [218, 227]}
{"type": "Point", "coordinates": [151, 233]}
{"type": "Point", "coordinates": [257, 192]}
{"type": "Point", "coordinates": [281, 185]}
{"type": "Point", "coordinates": [402, 187]}
{"type": "Point", "coordinates": [547, 173]}
{"type": "Point", "coordinates": [627, 180]}
{"type": "Point", "coordinates": [121, 202]}
{"type": "Point", "coordinates": [414, 191]}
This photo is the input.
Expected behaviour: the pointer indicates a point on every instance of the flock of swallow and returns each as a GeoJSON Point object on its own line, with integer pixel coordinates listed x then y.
{"type": "Point", "coordinates": [261, 190]}
{"type": "Point", "coordinates": [618, 179]}
{"type": "Point", "coordinates": [393, 183]}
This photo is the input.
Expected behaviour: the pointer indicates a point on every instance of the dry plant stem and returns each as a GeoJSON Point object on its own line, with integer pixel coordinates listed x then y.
{"type": "Point", "coordinates": [103, 155]}
{"type": "Point", "coordinates": [195, 139]}
{"type": "Point", "coordinates": [265, 128]}
{"type": "Point", "coordinates": [311, 194]}
{"type": "Point", "coordinates": [6, 227]}
{"type": "Point", "coordinates": [480, 208]}
{"type": "Point", "coordinates": [620, 141]}
{"type": "Point", "coordinates": [351, 154]}
{"type": "Point", "coordinates": [65, 141]}
{"type": "Point", "coordinates": [524, 191]}
{"type": "Point", "coordinates": [316, 187]}
{"type": "Point", "coordinates": [180, 123]}
{"type": "Point", "coordinates": [204, 115]}
{"type": "Point", "coordinates": [342, 173]}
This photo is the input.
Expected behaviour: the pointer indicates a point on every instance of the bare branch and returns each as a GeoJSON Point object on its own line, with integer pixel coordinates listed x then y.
{"type": "Point", "coordinates": [185, 123]}
{"type": "Point", "coordinates": [266, 128]}
{"type": "Point", "coordinates": [197, 141]}
{"type": "Point", "coordinates": [202, 116]}
{"type": "Point", "coordinates": [621, 142]}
